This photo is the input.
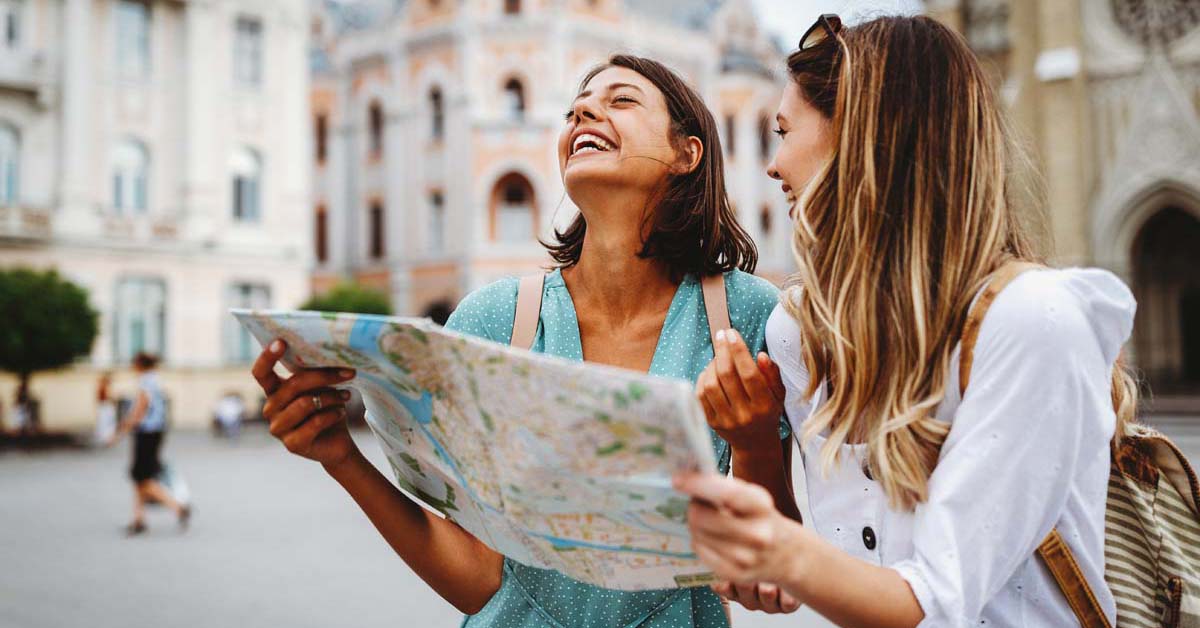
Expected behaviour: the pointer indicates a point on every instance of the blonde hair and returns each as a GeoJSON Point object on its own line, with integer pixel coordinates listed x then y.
{"type": "Point", "coordinates": [896, 235]}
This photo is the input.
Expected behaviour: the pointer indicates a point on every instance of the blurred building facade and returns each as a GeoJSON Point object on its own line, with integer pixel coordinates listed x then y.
{"type": "Point", "coordinates": [1108, 94]}
{"type": "Point", "coordinates": [435, 127]}
{"type": "Point", "coordinates": [154, 152]}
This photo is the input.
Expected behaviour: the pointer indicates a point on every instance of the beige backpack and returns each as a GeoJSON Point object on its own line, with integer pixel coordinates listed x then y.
{"type": "Point", "coordinates": [1151, 521]}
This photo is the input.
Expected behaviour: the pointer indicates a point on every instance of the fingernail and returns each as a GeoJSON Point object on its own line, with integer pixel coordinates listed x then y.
{"type": "Point", "coordinates": [346, 373]}
{"type": "Point", "coordinates": [733, 336]}
{"type": "Point", "coordinates": [721, 335]}
{"type": "Point", "coordinates": [277, 347]}
{"type": "Point", "coordinates": [344, 395]}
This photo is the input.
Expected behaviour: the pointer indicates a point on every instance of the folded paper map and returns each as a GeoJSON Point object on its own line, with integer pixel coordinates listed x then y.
{"type": "Point", "coordinates": [554, 463]}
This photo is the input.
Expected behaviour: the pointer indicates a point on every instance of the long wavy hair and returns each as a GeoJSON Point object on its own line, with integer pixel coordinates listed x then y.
{"type": "Point", "coordinates": [896, 235]}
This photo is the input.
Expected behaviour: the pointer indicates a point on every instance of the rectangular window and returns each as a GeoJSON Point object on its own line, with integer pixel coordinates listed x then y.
{"type": "Point", "coordinates": [140, 318]}
{"type": "Point", "coordinates": [437, 222]}
{"type": "Point", "coordinates": [730, 135]}
{"type": "Point", "coordinates": [247, 52]}
{"type": "Point", "coordinates": [241, 347]}
{"type": "Point", "coordinates": [377, 236]}
{"type": "Point", "coordinates": [10, 17]}
{"type": "Point", "coordinates": [322, 235]}
{"type": "Point", "coordinates": [245, 198]}
{"type": "Point", "coordinates": [133, 39]}
{"type": "Point", "coordinates": [321, 137]}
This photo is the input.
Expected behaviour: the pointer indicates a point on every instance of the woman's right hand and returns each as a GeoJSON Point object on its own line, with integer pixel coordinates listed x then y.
{"type": "Point", "coordinates": [742, 395]}
{"type": "Point", "coordinates": [304, 411]}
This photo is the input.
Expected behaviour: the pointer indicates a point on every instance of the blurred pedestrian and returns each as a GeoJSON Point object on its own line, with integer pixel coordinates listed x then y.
{"type": "Point", "coordinates": [25, 414]}
{"type": "Point", "coordinates": [229, 414]}
{"type": "Point", "coordinates": [106, 410]}
{"type": "Point", "coordinates": [148, 421]}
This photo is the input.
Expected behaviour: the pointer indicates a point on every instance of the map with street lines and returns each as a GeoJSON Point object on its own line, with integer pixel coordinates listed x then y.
{"type": "Point", "coordinates": [556, 464]}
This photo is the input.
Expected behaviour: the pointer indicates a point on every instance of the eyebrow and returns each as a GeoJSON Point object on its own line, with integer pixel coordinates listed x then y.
{"type": "Point", "coordinates": [613, 86]}
{"type": "Point", "coordinates": [779, 118]}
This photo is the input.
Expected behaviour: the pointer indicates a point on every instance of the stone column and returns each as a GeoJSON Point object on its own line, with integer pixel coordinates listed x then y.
{"type": "Point", "coordinates": [77, 199]}
{"type": "Point", "coordinates": [1064, 129]}
{"type": "Point", "coordinates": [203, 196]}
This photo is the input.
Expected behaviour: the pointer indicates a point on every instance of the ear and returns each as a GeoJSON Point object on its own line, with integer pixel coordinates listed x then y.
{"type": "Point", "coordinates": [689, 156]}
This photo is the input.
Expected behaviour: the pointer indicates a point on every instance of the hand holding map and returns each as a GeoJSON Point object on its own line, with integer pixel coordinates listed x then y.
{"type": "Point", "coordinates": [556, 464]}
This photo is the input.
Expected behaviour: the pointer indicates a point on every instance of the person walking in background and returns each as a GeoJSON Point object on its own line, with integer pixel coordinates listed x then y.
{"type": "Point", "coordinates": [148, 421]}
{"type": "Point", "coordinates": [106, 410]}
{"type": "Point", "coordinates": [229, 414]}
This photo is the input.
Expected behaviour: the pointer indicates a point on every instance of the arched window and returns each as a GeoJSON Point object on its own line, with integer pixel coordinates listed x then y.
{"type": "Point", "coordinates": [437, 114]}
{"type": "Point", "coordinates": [512, 7]}
{"type": "Point", "coordinates": [245, 168]}
{"type": "Point", "coordinates": [514, 100]}
{"type": "Point", "coordinates": [375, 128]}
{"type": "Point", "coordinates": [764, 137]}
{"type": "Point", "coordinates": [10, 161]}
{"type": "Point", "coordinates": [513, 209]}
{"type": "Point", "coordinates": [131, 165]}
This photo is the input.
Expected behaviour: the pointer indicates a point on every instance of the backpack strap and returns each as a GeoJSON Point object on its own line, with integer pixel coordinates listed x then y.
{"type": "Point", "coordinates": [529, 308]}
{"type": "Point", "coordinates": [1053, 551]}
{"type": "Point", "coordinates": [716, 305]}
{"type": "Point", "coordinates": [529, 311]}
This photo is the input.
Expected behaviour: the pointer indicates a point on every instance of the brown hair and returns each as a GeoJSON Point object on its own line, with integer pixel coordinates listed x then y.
{"type": "Point", "coordinates": [145, 360]}
{"type": "Point", "coordinates": [895, 236]}
{"type": "Point", "coordinates": [693, 229]}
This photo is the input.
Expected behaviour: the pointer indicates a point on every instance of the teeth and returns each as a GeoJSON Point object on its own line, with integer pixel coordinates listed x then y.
{"type": "Point", "coordinates": [588, 137]}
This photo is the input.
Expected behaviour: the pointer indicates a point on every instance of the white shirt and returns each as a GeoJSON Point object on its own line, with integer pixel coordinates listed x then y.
{"type": "Point", "coordinates": [1027, 452]}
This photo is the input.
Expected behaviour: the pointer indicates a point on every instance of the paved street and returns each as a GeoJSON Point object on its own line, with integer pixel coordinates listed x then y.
{"type": "Point", "coordinates": [274, 543]}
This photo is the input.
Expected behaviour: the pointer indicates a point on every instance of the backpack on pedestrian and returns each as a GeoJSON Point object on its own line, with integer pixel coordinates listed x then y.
{"type": "Point", "coordinates": [1151, 519]}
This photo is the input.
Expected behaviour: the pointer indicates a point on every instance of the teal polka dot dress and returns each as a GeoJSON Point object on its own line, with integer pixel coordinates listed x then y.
{"type": "Point", "coordinates": [540, 598]}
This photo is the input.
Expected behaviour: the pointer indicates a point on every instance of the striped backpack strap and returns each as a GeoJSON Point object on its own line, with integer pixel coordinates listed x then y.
{"type": "Point", "coordinates": [529, 311]}
{"type": "Point", "coordinates": [1053, 551]}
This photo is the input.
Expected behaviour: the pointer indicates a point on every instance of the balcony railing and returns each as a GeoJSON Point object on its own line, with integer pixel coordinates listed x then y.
{"type": "Point", "coordinates": [26, 71]}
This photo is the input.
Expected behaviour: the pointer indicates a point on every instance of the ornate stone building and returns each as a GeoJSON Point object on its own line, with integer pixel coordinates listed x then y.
{"type": "Point", "coordinates": [435, 124]}
{"type": "Point", "coordinates": [1108, 94]}
{"type": "Point", "coordinates": [154, 152]}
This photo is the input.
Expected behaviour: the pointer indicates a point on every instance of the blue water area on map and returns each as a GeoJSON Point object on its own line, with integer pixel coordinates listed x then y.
{"type": "Point", "coordinates": [562, 543]}
{"type": "Point", "coordinates": [364, 335]}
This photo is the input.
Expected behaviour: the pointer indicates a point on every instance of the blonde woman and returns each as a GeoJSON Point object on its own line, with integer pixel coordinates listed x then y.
{"type": "Point", "coordinates": [925, 507]}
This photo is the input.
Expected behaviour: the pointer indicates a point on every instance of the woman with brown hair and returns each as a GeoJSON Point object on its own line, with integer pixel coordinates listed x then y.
{"type": "Point", "coordinates": [640, 156]}
{"type": "Point", "coordinates": [925, 503]}
{"type": "Point", "coordinates": [148, 421]}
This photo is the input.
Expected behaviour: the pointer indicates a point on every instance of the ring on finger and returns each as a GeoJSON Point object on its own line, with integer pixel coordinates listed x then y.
{"type": "Point", "coordinates": [316, 399]}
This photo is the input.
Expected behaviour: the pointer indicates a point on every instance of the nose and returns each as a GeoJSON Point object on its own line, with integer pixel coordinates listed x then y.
{"type": "Point", "coordinates": [584, 110]}
{"type": "Point", "coordinates": [773, 172]}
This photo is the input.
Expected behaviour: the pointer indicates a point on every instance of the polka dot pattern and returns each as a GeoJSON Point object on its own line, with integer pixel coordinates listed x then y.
{"type": "Point", "coordinates": [540, 598]}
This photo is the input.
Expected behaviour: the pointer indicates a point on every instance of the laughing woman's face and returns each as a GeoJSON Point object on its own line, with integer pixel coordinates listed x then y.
{"type": "Point", "coordinates": [617, 133]}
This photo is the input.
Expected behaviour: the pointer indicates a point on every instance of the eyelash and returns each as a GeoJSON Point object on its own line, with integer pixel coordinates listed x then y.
{"type": "Point", "coordinates": [780, 132]}
{"type": "Point", "coordinates": [571, 112]}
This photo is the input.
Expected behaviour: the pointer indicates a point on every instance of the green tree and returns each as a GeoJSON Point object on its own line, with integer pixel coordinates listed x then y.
{"type": "Point", "coordinates": [350, 297]}
{"type": "Point", "coordinates": [47, 322]}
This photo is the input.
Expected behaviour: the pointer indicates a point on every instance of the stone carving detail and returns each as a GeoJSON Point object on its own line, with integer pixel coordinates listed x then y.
{"type": "Point", "coordinates": [1156, 22]}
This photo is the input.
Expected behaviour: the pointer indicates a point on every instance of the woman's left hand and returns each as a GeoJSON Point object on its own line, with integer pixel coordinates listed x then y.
{"type": "Point", "coordinates": [738, 533]}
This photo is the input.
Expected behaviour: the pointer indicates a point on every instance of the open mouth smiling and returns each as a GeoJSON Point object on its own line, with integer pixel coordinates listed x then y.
{"type": "Point", "coordinates": [587, 142]}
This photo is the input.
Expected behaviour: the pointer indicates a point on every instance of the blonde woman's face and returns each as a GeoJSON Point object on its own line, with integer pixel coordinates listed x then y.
{"type": "Point", "coordinates": [807, 143]}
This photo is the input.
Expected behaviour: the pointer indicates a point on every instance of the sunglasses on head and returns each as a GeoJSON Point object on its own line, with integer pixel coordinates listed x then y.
{"type": "Point", "coordinates": [827, 26]}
